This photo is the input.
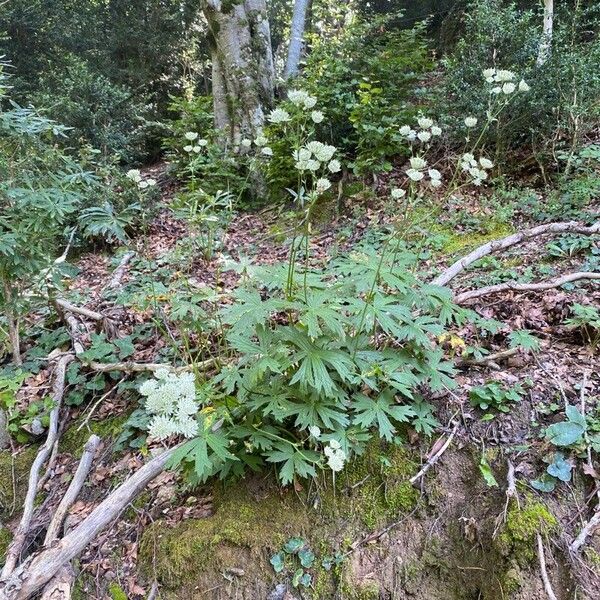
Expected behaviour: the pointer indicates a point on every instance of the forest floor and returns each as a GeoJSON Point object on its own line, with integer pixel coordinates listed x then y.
{"type": "Point", "coordinates": [464, 530]}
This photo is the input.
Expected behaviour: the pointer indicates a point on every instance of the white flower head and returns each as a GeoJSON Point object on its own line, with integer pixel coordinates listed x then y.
{"type": "Point", "coordinates": [317, 116]}
{"type": "Point", "coordinates": [313, 165]}
{"type": "Point", "coordinates": [405, 130]}
{"type": "Point", "coordinates": [504, 75]}
{"type": "Point", "coordinates": [187, 427]}
{"type": "Point", "coordinates": [202, 142]}
{"type": "Point", "coordinates": [134, 175]}
{"type": "Point", "coordinates": [196, 149]}
{"type": "Point", "coordinates": [309, 102]}
{"type": "Point", "coordinates": [151, 182]}
{"type": "Point", "coordinates": [471, 121]}
{"type": "Point", "coordinates": [424, 136]}
{"type": "Point", "coordinates": [267, 151]}
{"type": "Point", "coordinates": [336, 457]}
{"type": "Point", "coordinates": [188, 148]}
{"type": "Point", "coordinates": [486, 163]}
{"type": "Point", "coordinates": [148, 387]}
{"type": "Point", "coordinates": [523, 86]}
{"type": "Point", "coordinates": [424, 122]}
{"type": "Point", "coordinates": [246, 143]}
{"type": "Point", "coordinates": [508, 88]}
{"type": "Point", "coordinates": [334, 166]}
{"type": "Point", "coordinates": [397, 193]}
{"type": "Point", "coordinates": [496, 90]}
{"type": "Point", "coordinates": [142, 185]}
{"type": "Point", "coordinates": [190, 136]}
{"type": "Point", "coordinates": [261, 140]}
{"type": "Point", "coordinates": [323, 185]}
{"type": "Point", "coordinates": [414, 174]}
{"type": "Point", "coordinates": [416, 162]}
{"type": "Point", "coordinates": [161, 427]}
{"type": "Point", "coordinates": [434, 174]}
{"type": "Point", "coordinates": [436, 130]}
{"type": "Point", "coordinates": [489, 73]}
{"type": "Point", "coordinates": [302, 154]}
{"type": "Point", "coordinates": [314, 431]}
{"type": "Point", "coordinates": [279, 115]}
{"type": "Point", "coordinates": [435, 183]}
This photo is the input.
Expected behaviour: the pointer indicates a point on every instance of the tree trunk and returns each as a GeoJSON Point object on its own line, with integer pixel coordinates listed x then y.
{"type": "Point", "coordinates": [546, 39]}
{"type": "Point", "coordinates": [242, 66]}
{"type": "Point", "coordinates": [296, 38]}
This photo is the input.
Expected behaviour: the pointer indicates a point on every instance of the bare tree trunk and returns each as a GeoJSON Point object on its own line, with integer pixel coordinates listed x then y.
{"type": "Point", "coordinates": [4, 435]}
{"type": "Point", "coordinates": [546, 39]}
{"type": "Point", "coordinates": [242, 65]}
{"type": "Point", "coordinates": [296, 38]}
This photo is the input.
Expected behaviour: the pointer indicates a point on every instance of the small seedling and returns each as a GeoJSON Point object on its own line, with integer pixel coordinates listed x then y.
{"type": "Point", "coordinates": [494, 396]}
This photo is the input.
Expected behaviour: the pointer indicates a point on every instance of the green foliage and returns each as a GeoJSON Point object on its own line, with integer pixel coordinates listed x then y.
{"type": "Point", "coordinates": [298, 556]}
{"type": "Point", "coordinates": [563, 90]}
{"type": "Point", "coordinates": [366, 79]}
{"type": "Point", "coordinates": [587, 320]}
{"type": "Point", "coordinates": [493, 395]}
{"type": "Point", "coordinates": [103, 221]}
{"type": "Point", "coordinates": [569, 432]}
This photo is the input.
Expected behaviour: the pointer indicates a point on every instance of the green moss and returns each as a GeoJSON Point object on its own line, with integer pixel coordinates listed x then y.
{"type": "Point", "coordinates": [73, 441]}
{"type": "Point", "coordinates": [14, 475]}
{"type": "Point", "coordinates": [593, 557]}
{"type": "Point", "coordinates": [116, 592]}
{"type": "Point", "coordinates": [5, 539]}
{"type": "Point", "coordinates": [455, 242]}
{"type": "Point", "coordinates": [522, 525]}
{"type": "Point", "coordinates": [375, 487]}
{"type": "Point", "coordinates": [243, 533]}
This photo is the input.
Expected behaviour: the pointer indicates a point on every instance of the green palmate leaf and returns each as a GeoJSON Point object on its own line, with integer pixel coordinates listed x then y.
{"type": "Point", "coordinates": [321, 312]}
{"type": "Point", "coordinates": [295, 462]}
{"type": "Point", "coordinates": [524, 339]}
{"type": "Point", "coordinates": [379, 411]}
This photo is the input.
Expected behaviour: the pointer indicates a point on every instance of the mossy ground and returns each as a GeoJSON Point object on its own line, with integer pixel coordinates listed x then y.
{"type": "Point", "coordinates": [73, 440]}
{"type": "Point", "coordinates": [14, 476]}
{"type": "Point", "coordinates": [5, 539]}
{"type": "Point", "coordinates": [247, 528]}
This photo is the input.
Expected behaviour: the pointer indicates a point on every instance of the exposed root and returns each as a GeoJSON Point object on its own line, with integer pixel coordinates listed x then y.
{"type": "Point", "coordinates": [435, 457]}
{"type": "Point", "coordinates": [542, 559]}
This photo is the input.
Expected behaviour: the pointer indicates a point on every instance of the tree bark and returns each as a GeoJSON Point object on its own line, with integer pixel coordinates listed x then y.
{"type": "Point", "coordinates": [296, 38]}
{"type": "Point", "coordinates": [242, 66]}
{"type": "Point", "coordinates": [546, 39]}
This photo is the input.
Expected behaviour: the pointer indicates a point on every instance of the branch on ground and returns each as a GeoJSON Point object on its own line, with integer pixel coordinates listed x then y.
{"type": "Point", "coordinates": [511, 240]}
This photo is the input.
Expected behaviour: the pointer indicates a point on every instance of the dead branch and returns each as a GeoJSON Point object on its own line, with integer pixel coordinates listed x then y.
{"type": "Point", "coordinates": [587, 530]}
{"type": "Point", "coordinates": [516, 238]}
{"type": "Point", "coordinates": [432, 460]}
{"type": "Point", "coordinates": [119, 272]}
{"type": "Point", "coordinates": [547, 585]}
{"type": "Point", "coordinates": [78, 310]}
{"type": "Point", "coordinates": [134, 367]}
{"type": "Point", "coordinates": [488, 360]}
{"type": "Point", "coordinates": [60, 587]}
{"type": "Point", "coordinates": [16, 546]}
{"type": "Point", "coordinates": [85, 464]}
{"type": "Point", "coordinates": [524, 287]}
{"type": "Point", "coordinates": [29, 577]}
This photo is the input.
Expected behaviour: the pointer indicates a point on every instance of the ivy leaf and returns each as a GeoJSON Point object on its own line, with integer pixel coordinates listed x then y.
{"type": "Point", "coordinates": [294, 546]}
{"type": "Point", "coordinates": [546, 483]}
{"type": "Point", "coordinates": [564, 433]}
{"type": "Point", "coordinates": [560, 468]}
{"type": "Point", "coordinates": [307, 558]}
{"type": "Point", "coordinates": [277, 560]}
{"type": "Point", "coordinates": [297, 577]}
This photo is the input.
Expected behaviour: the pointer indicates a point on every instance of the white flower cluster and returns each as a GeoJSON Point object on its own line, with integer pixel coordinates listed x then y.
{"type": "Point", "coordinates": [336, 457]}
{"type": "Point", "coordinates": [416, 172]}
{"type": "Point", "coordinates": [302, 99]}
{"type": "Point", "coordinates": [171, 399]}
{"type": "Point", "coordinates": [428, 129]}
{"type": "Point", "coordinates": [397, 193]}
{"type": "Point", "coordinates": [478, 170]}
{"type": "Point", "coordinates": [311, 157]}
{"type": "Point", "coordinates": [503, 82]}
{"type": "Point", "coordinates": [196, 145]}
{"type": "Point", "coordinates": [135, 175]}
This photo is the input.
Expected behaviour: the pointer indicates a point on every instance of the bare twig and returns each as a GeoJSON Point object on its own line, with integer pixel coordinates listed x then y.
{"type": "Point", "coordinates": [524, 287]}
{"type": "Point", "coordinates": [133, 367]}
{"type": "Point", "coordinates": [16, 546]}
{"type": "Point", "coordinates": [119, 272]}
{"type": "Point", "coordinates": [547, 585]}
{"type": "Point", "coordinates": [587, 530]}
{"type": "Point", "coordinates": [487, 359]}
{"type": "Point", "coordinates": [29, 577]}
{"type": "Point", "coordinates": [85, 464]}
{"type": "Point", "coordinates": [433, 459]}
{"type": "Point", "coordinates": [460, 265]}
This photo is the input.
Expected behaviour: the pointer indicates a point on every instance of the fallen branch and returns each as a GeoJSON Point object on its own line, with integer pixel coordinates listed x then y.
{"type": "Point", "coordinates": [133, 367]}
{"type": "Point", "coordinates": [588, 529]}
{"type": "Point", "coordinates": [60, 587]}
{"type": "Point", "coordinates": [78, 310]}
{"type": "Point", "coordinates": [83, 469]}
{"type": "Point", "coordinates": [119, 272]}
{"type": "Point", "coordinates": [547, 585]}
{"type": "Point", "coordinates": [488, 359]}
{"type": "Point", "coordinates": [516, 238]}
{"type": "Point", "coordinates": [524, 287]}
{"type": "Point", "coordinates": [433, 459]}
{"type": "Point", "coordinates": [27, 579]}
{"type": "Point", "coordinates": [16, 546]}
